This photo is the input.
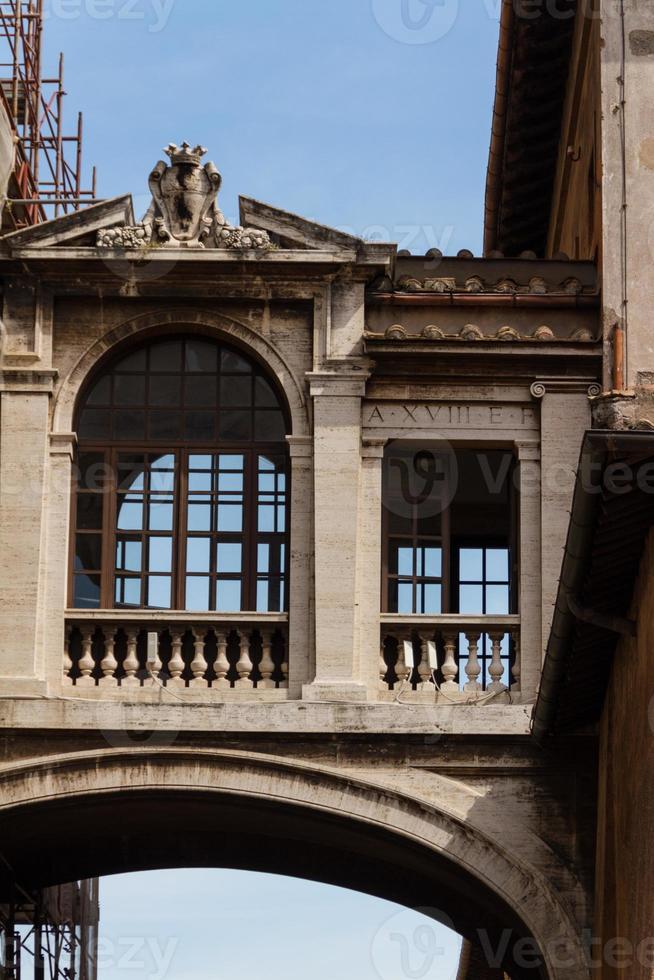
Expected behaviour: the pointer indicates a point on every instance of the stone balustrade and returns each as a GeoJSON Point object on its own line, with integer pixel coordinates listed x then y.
{"type": "Point", "coordinates": [452, 657]}
{"type": "Point", "coordinates": [210, 652]}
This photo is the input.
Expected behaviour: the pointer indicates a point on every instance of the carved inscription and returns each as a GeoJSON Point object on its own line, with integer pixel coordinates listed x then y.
{"type": "Point", "coordinates": [445, 415]}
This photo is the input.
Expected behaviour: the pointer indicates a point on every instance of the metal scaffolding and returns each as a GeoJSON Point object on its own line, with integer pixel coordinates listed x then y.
{"type": "Point", "coordinates": [50, 934]}
{"type": "Point", "coordinates": [47, 178]}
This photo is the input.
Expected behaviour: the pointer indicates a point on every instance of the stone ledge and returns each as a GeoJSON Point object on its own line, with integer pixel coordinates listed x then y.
{"type": "Point", "coordinates": [297, 717]}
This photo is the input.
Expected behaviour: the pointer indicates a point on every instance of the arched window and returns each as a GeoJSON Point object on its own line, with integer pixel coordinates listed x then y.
{"type": "Point", "coordinates": [182, 483]}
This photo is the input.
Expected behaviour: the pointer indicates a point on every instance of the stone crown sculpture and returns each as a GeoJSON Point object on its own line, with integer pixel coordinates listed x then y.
{"type": "Point", "coordinates": [184, 212]}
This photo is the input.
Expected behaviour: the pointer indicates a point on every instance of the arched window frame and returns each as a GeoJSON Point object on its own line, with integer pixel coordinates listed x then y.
{"type": "Point", "coordinates": [265, 487]}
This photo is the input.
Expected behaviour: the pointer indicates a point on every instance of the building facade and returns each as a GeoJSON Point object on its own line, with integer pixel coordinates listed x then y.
{"type": "Point", "coordinates": [283, 516]}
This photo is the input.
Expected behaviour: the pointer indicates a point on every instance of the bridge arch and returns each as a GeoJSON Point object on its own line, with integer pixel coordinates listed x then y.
{"type": "Point", "coordinates": [118, 810]}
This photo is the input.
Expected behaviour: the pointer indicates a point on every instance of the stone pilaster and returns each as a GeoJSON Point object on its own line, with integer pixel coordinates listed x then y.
{"type": "Point", "coordinates": [337, 465]}
{"type": "Point", "coordinates": [369, 561]}
{"type": "Point", "coordinates": [24, 402]}
{"type": "Point", "coordinates": [301, 658]}
{"type": "Point", "coordinates": [529, 582]}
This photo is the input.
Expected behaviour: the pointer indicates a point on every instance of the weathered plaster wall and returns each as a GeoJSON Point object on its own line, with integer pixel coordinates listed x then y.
{"type": "Point", "coordinates": [625, 845]}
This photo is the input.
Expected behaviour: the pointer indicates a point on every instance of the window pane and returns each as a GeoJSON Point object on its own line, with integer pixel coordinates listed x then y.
{"type": "Point", "coordinates": [159, 592]}
{"type": "Point", "coordinates": [232, 363]}
{"type": "Point", "coordinates": [165, 462]}
{"type": "Point", "coordinates": [471, 564]}
{"type": "Point", "coordinates": [471, 599]}
{"type": "Point", "coordinates": [197, 594]}
{"type": "Point", "coordinates": [86, 592]}
{"type": "Point", "coordinates": [236, 392]}
{"type": "Point", "coordinates": [162, 481]}
{"type": "Point", "coordinates": [128, 591]}
{"type": "Point", "coordinates": [89, 511]}
{"type": "Point", "coordinates": [130, 471]}
{"type": "Point", "coordinates": [235, 426]}
{"type": "Point", "coordinates": [200, 392]}
{"type": "Point", "coordinates": [101, 393]}
{"type": "Point", "coordinates": [130, 516]}
{"type": "Point", "coordinates": [166, 356]}
{"type": "Point", "coordinates": [129, 389]}
{"type": "Point", "coordinates": [161, 555]}
{"type": "Point", "coordinates": [230, 482]}
{"type": "Point", "coordinates": [229, 557]}
{"type": "Point", "coordinates": [262, 596]}
{"type": "Point", "coordinates": [161, 516]}
{"type": "Point", "coordinates": [264, 396]}
{"type": "Point", "coordinates": [199, 517]}
{"type": "Point", "coordinates": [433, 562]}
{"type": "Point", "coordinates": [263, 558]}
{"type": "Point", "coordinates": [266, 518]}
{"type": "Point", "coordinates": [202, 462]}
{"type": "Point", "coordinates": [133, 362]}
{"type": "Point", "coordinates": [404, 561]}
{"type": "Point", "coordinates": [201, 356]}
{"type": "Point", "coordinates": [497, 565]}
{"type": "Point", "coordinates": [200, 482]}
{"type": "Point", "coordinates": [94, 424]}
{"type": "Point", "coordinates": [230, 461]}
{"type": "Point", "coordinates": [165, 425]}
{"type": "Point", "coordinates": [269, 427]}
{"type": "Point", "coordinates": [228, 595]}
{"type": "Point", "coordinates": [497, 599]}
{"type": "Point", "coordinates": [200, 426]}
{"type": "Point", "coordinates": [129, 426]}
{"type": "Point", "coordinates": [404, 597]}
{"type": "Point", "coordinates": [92, 471]}
{"type": "Point", "coordinates": [88, 552]}
{"type": "Point", "coordinates": [432, 600]}
{"type": "Point", "coordinates": [128, 556]}
{"type": "Point", "coordinates": [198, 555]}
{"type": "Point", "coordinates": [230, 518]}
{"type": "Point", "coordinates": [165, 390]}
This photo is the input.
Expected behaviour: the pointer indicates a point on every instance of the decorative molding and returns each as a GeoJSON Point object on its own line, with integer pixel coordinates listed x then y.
{"type": "Point", "coordinates": [343, 385]}
{"type": "Point", "coordinates": [184, 212]}
{"type": "Point", "coordinates": [564, 386]}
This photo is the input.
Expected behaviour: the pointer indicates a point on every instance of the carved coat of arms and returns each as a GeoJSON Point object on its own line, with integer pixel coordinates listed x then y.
{"type": "Point", "coordinates": [184, 212]}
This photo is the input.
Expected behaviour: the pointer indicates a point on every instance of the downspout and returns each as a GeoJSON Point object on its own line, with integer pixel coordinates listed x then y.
{"type": "Point", "coordinates": [495, 170]}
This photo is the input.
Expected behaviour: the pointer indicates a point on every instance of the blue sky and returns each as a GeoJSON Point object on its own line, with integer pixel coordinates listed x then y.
{"type": "Point", "coordinates": [372, 115]}
{"type": "Point", "coordinates": [230, 925]}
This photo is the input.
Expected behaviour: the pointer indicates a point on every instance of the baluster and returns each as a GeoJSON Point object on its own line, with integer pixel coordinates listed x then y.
{"type": "Point", "coordinates": [68, 662]}
{"type": "Point", "coordinates": [450, 668]}
{"type": "Point", "coordinates": [244, 666]}
{"type": "Point", "coordinates": [87, 663]}
{"type": "Point", "coordinates": [424, 667]}
{"type": "Point", "coordinates": [176, 665]}
{"type": "Point", "coordinates": [199, 665]}
{"type": "Point", "coordinates": [131, 664]}
{"type": "Point", "coordinates": [109, 664]}
{"type": "Point", "coordinates": [154, 663]}
{"type": "Point", "coordinates": [402, 669]}
{"type": "Point", "coordinates": [221, 666]}
{"type": "Point", "coordinates": [383, 666]}
{"type": "Point", "coordinates": [473, 667]}
{"type": "Point", "coordinates": [517, 666]}
{"type": "Point", "coordinates": [284, 667]}
{"type": "Point", "coordinates": [496, 669]}
{"type": "Point", "coordinates": [267, 665]}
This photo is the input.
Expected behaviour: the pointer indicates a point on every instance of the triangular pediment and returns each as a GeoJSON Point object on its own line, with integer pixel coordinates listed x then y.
{"type": "Point", "coordinates": [79, 228]}
{"type": "Point", "coordinates": [292, 231]}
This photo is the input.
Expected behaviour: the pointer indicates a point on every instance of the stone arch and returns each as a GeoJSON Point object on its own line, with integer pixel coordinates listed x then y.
{"type": "Point", "coordinates": [81, 795]}
{"type": "Point", "coordinates": [208, 322]}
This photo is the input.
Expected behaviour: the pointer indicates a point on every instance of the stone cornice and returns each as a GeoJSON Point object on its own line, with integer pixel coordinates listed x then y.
{"type": "Point", "coordinates": [337, 385]}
